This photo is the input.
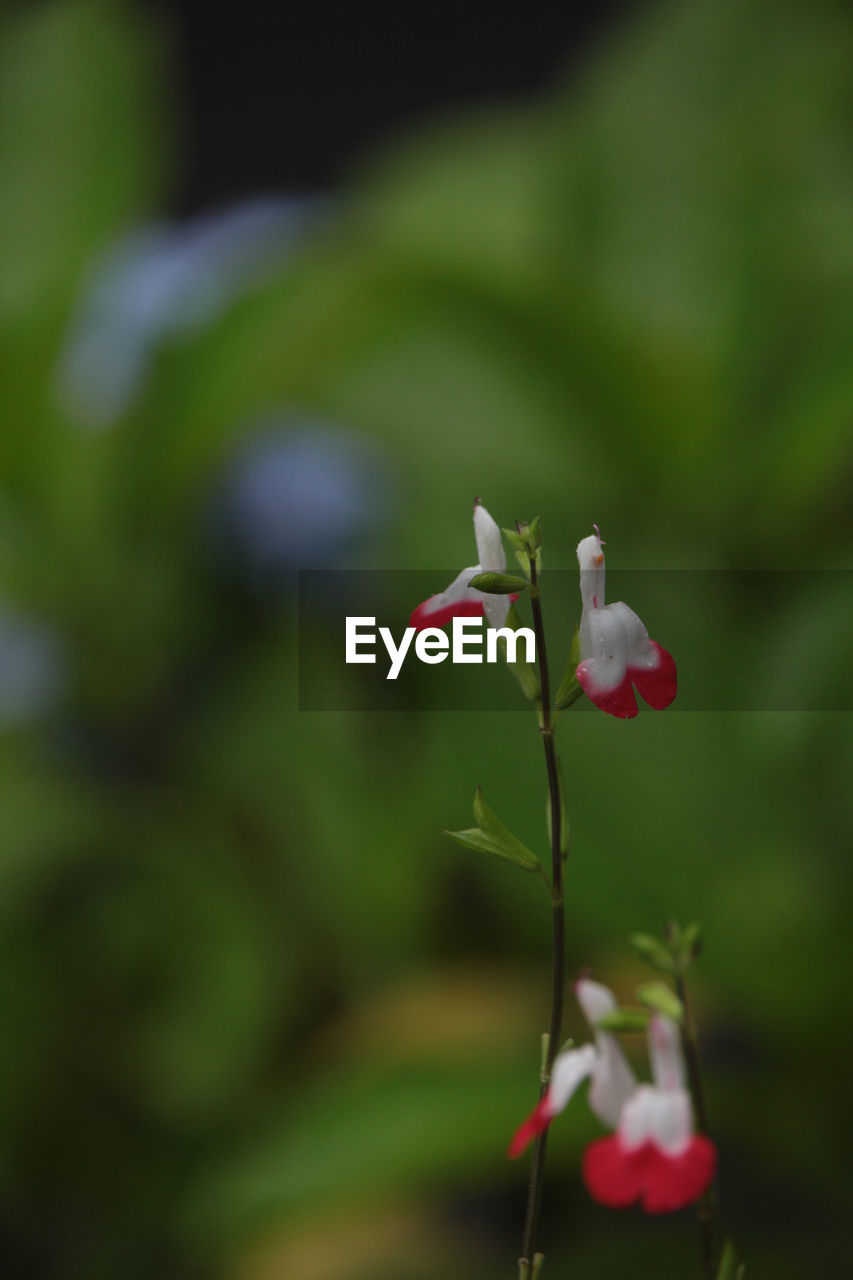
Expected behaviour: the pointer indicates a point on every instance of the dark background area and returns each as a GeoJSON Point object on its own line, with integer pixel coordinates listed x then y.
{"type": "Point", "coordinates": [289, 97]}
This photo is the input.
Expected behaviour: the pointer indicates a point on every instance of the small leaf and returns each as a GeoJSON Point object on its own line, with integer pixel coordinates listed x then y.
{"type": "Point", "coordinates": [524, 672]}
{"type": "Point", "coordinates": [515, 540]}
{"type": "Point", "coordinates": [729, 1268]}
{"type": "Point", "coordinates": [625, 1020]}
{"type": "Point", "coordinates": [475, 838]}
{"type": "Point", "coordinates": [570, 690]}
{"type": "Point", "coordinates": [658, 997]}
{"type": "Point", "coordinates": [498, 584]}
{"type": "Point", "coordinates": [501, 836]}
{"type": "Point", "coordinates": [691, 940]}
{"type": "Point", "coordinates": [653, 952]}
{"type": "Point", "coordinates": [564, 815]}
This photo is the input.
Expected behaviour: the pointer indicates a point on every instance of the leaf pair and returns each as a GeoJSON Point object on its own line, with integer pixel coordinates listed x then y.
{"type": "Point", "coordinates": [491, 836]}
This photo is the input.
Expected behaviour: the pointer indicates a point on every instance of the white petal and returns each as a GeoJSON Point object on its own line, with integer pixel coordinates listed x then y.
{"type": "Point", "coordinates": [490, 547]}
{"type": "Point", "coordinates": [595, 1000]}
{"type": "Point", "coordinates": [639, 649]}
{"type": "Point", "coordinates": [591, 561]}
{"type": "Point", "coordinates": [456, 592]}
{"type": "Point", "coordinates": [604, 646]}
{"type": "Point", "coordinates": [496, 609]}
{"type": "Point", "coordinates": [613, 1080]}
{"type": "Point", "coordinates": [662, 1116]}
{"type": "Point", "coordinates": [665, 1053]}
{"type": "Point", "coordinates": [570, 1068]}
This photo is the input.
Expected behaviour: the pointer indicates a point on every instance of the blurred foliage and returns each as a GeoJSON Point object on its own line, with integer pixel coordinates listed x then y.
{"type": "Point", "coordinates": [252, 1003]}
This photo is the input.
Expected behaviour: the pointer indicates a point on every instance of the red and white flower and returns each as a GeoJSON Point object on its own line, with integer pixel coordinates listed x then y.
{"type": "Point", "coordinates": [612, 1080]}
{"type": "Point", "coordinates": [616, 651]}
{"type": "Point", "coordinates": [654, 1157]}
{"type": "Point", "coordinates": [461, 601]}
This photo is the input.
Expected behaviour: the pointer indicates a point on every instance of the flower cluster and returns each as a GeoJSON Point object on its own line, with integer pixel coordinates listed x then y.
{"type": "Point", "coordinates": [654, 1156]}
{"type": "Point", "coordinates": [615, 650]}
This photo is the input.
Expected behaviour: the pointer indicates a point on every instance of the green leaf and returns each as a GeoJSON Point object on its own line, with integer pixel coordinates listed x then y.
{"type": "Point", "coordinates": [475, 838]}
{"type": "Point", "coordinates": [524, 672]}
{"type": "Point", "coordinates": [625, 1020]}
{"type": "Point", "coordinates": [653, 952]}
{"type": "Point", "coordinates": [564, 815]}
{"type": "Point", "coordinates": [691, 940]}
{"type": "Point", "coordinates": [569, 689]}
{"type": "Point", "coordinates": [729, 1268]}
{"type": "Point", "coordinates": [515, 540]}
{"type": "Point", "coordinates": [499, 584]}
{"type": "Point", "coordinates": [501, 836]}
{"type": "Point", "coordinates": [661, 999]}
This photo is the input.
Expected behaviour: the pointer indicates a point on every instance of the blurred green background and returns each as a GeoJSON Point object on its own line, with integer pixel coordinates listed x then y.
{"type": "Point", "coordinates": [259, 1019]}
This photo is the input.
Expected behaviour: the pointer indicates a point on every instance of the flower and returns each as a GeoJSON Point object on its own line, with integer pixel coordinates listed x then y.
{"type": "Point", "coordinates": [654, 1157]}
{"type": "Point", "coordinates": [616, 651]}
{"type": "Point", "coordinates": [612, 1080]}
{"type": "Point", "coordinates": [462, 601]}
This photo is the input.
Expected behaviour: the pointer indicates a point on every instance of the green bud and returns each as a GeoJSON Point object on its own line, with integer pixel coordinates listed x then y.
{"type": "Point", "coordinates": [624, 1020]}
{"type": "Point", "coordinates": [661, 999]}
{"type": "Point", "coordinates": [499, 584]}
{"type": "Point", "coordinates": [534, 533]}
{"type": "Point", "coordinates": [653, 952]}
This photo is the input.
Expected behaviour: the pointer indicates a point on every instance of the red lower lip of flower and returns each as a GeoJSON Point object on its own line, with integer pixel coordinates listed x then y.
{"type": "Point", "coordinates": [536, 1122]}
{"type": "Point", "coordinates": [619, 1176]}
{"type": "Point", "coordinates": [660, 685]}
{"type": "Point", "coordinates": [420, 618]}
{"type": "Point", "coordinates": [657, 687]}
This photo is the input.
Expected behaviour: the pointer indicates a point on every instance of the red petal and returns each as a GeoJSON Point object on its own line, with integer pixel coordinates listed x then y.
{"type": "Point", "coordinates": [617, 1176]}
{"type": "Point", "coordinates": [536, 1122]}
{"type": "Point", "coordinates": [613, 1175]}
{"type": "Point", "coordinates": [619, 702]}
{"type": "Point", "coordinates": [676, 1181]}
{"type": "Point", "coordinates": [660, 685]}
{"type": "Point", "coordinates": [421, 618]}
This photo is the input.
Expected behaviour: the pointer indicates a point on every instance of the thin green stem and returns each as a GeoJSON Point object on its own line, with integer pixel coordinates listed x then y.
{"type": "Point", "coordinates": [708, 1202]}
{"type": "Point", "coordinates": [546, 720]}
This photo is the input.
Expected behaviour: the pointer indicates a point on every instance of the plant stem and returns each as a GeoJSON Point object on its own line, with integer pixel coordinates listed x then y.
{"type": "Point", "coordinates": [708, 1203]}
{"type": "Point", "coordinates": [537, 1168]}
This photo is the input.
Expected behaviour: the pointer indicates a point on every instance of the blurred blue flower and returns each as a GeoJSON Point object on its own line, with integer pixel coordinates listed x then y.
{"type": "Point", "coordinates": [32, 669]}
{"type": "Point", "coordinates": [161, 281]}
{"type": "Point", "coordinates": [301, 493]}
